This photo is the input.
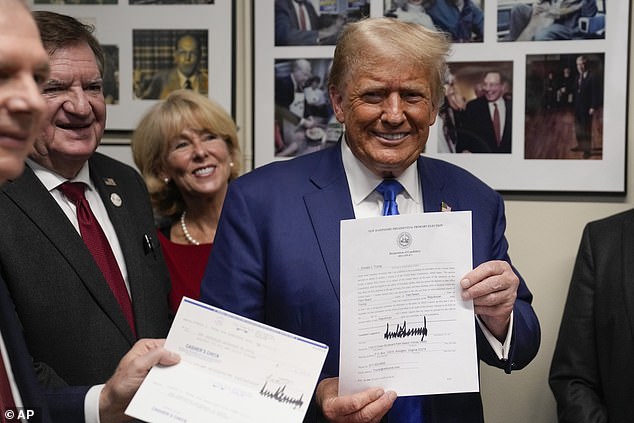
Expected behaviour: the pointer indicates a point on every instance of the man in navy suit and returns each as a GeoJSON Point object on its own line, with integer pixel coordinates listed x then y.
{"type": "Point", "coordinates": [21, 111]}
{"type": "Point", "coordinates": [276, 251]}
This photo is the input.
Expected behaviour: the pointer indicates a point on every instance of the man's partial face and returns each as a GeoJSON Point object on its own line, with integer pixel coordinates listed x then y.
{"type": "Point", "coordinates": [75, 111]}
{"type": "Point", "coordinates": [493, 86]}
{"type": "Point", "coordinates": [187, 55]}
{"type": "Point", "coordinates": [387, 111]}
{"type": "Point", "coordinates": [302, 70]}
{"type": "Point", "coordinates": [23, 68]}
{"type": "Point", "coordinates": [581, 65]}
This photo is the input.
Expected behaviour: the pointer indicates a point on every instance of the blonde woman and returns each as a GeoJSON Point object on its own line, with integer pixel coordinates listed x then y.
{"type": "Point", "coordinates": [187, 150]}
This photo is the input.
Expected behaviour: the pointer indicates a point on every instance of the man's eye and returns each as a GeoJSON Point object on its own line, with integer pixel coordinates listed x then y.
{"type": "Point", "coordinates": [97, 87]}
{"type": "Point", "coordinates": [372, 97]}
{"type": "Point", "coordinates": [413, 97]}
{"type": "Point", "coordinates": [51, 89]}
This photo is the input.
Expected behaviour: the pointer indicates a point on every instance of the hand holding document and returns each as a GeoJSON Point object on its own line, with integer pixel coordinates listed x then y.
{"type": "Point", "coordinates": [404, 325]}
{"type": "Point", "coordinates": [232, 370]}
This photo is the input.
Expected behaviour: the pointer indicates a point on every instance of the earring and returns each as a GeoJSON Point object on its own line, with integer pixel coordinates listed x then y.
{"type": "Point", "coordinates": [230, 164]}
{"type": "Point", "coordinates": [166, 180]}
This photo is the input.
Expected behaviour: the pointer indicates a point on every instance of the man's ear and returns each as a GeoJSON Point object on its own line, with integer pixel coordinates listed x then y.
{"type": "Point", "coordinates": [336, 99]}
{"type": "Point", "coordinates": [433, 114]}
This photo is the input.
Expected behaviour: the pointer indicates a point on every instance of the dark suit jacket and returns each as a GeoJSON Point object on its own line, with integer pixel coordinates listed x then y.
{"type": "Point", "coordinates": [54, 405]}
{"type": "Point", "coordinates": [588, 95]}
{"type": "Point", "coordinates": [21, 363]}
{"type": "Point", "coordinates": [592, 371]}
{"type": "Point", "coordinates": [276, 256]}
{"type": "Point", "coordinates": [287, 32]}
{"type": "Point", "coordinates": [284, 91]}
{"type": "Point", "coordinates": [477, 134]}
{"type": "Point", "coordinates": [72, 323]}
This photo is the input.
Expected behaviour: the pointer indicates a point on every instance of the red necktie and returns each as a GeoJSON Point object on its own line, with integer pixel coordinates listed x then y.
{"type": "Point", "coordinates": [496, 123]}
{"type": "Point", "coordinates": [302, 17]}
{"type": "Point", "coordinates": [6, 396]}
{"type": "Point", "coordinates": [97, 243]}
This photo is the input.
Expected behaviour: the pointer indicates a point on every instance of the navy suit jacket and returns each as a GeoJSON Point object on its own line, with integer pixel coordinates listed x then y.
{"type": "Point", "coordinates": [20, 359]}
{"type": "Point", "coordinates": [64, 405]}
{"type": "Point", "coordinates": [276, 257]}
{"type": "Point", "coordinates": [287, 32]}
{"type": "Point", "coordinates": [477, 134]}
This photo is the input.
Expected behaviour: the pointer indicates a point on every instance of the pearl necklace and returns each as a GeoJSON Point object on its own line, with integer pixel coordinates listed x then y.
{"type": "Point", "coordinates": [186, 232]}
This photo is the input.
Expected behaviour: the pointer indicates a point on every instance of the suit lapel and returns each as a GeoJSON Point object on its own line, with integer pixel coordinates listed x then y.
{"type": "Point", "coordinates": [433, 187]}
{"type": "Point", "coordinates": [28, 193]}
{"type": "Point", "coordinates": [327, 206]}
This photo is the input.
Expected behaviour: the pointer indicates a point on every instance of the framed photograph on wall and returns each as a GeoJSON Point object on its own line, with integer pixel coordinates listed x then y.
{"type": "Point", "coordinates": [536, 90]}
{"type": "Point", "coordinates": [156, 46]}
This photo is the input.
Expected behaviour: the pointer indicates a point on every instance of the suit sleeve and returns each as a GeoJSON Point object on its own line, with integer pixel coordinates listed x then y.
{"type": "Point", "coordinates": [574, 373]}
{"type": "Point", "coordinates": [526, 334]}
{"type": "Point", "coordinates": [237, 257]}
{"type": "Point", "coordinates": [67, 404]}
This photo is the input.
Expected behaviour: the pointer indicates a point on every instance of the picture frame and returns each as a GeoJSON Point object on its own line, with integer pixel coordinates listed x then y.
{"type": "Point", "coordinates": [142, 40]}
{"type": "Point", "coordinates": [542, 154]}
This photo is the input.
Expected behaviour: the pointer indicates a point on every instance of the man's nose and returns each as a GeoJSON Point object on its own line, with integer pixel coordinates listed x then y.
{"type": "Point", "coordinates": [393, 109]}
{"type": "Point", "coordinates": [78, 102]}
{"type": "Point", "coordinates": [26, 96]}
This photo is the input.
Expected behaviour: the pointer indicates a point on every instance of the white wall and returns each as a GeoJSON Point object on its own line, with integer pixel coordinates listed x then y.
{"type": "Point", "coordinates": [544, 233]}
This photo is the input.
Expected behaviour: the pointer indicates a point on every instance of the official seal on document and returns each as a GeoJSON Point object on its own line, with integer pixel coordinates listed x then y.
{"type": "Point", "coordinates": [404, 240]}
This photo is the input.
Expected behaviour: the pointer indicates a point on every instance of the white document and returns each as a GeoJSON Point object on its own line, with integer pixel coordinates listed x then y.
{"type": "Point", "coordinates": [404, 325]}
{"type": "Point", "coordinates": [232, 370]}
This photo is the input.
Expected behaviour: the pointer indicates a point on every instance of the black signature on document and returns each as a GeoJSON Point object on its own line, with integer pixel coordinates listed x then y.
{"type": "Point", "coordinates": [279, 394]}
{"type": "Point", "coordinates": [402, 331]}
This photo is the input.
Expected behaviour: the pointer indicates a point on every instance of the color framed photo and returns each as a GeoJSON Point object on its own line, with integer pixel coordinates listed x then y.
{"type": "Point", "coordinates": [536, 90]}
{"type": "Point", "coordinates": [154, 47]}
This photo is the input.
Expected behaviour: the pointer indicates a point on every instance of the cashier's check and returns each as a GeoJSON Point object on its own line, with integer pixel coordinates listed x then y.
{"type": "Point", "coordinates": [232, 369]}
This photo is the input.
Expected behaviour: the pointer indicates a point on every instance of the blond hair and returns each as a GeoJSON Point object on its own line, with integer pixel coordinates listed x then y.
{"type": "Point", "coordinates": [388, 37]}
{"type": "Point", "coordinates": [163, 122]}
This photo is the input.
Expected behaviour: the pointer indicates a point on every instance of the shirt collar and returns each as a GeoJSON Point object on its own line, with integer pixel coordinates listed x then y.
{"type": "Point", "coordinates": [182, 78]}
{"type": "Point", "coordinates": [52, 180]}
{"type": "Point", "coordinates": [362, 182]}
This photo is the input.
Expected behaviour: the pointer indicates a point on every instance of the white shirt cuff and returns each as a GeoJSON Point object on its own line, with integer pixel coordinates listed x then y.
{"type": "Point", "coordinates": [501, 350]}
{"type": "Point", "coordinates": [91, 404]}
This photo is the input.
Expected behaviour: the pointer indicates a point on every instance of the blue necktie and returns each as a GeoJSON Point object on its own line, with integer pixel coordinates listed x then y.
{"type": "Point", "coordinates": [389, 189]}
{"type": "Point", "coordinates": [405, 409]}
